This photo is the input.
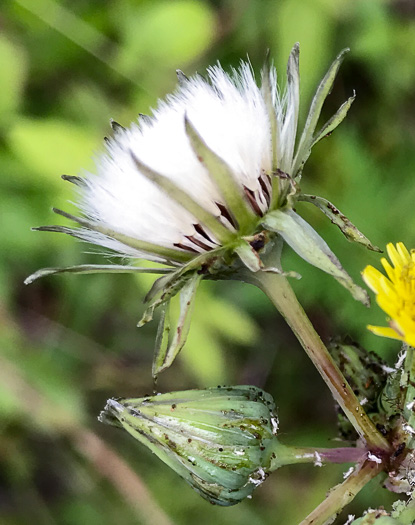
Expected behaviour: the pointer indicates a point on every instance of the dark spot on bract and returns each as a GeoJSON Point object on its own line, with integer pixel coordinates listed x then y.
{"type": "Point", "coordinates": [399, 449]}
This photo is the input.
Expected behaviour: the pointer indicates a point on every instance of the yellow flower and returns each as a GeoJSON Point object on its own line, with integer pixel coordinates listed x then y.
{"type": "Point", "coordinates": [395, 294]}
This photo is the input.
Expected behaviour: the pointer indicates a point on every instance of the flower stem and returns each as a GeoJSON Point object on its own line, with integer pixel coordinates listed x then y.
{"type": "Point", "coordinates": [343, 494]}
{"type": "Point", "coordinates": [279, 291]}
{"type": "Point", "coordinates": [409, 368]}
{"type": "Point", "coordinates": [287, 455]}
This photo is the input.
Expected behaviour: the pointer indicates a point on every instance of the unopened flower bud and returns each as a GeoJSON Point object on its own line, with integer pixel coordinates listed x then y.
{"type": "Point", "coordinates": [366, 373]}
{"type": "Point", "coordinates": [222, 441]}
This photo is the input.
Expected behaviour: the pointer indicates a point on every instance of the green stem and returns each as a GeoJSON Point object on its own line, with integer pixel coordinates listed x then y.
{"type": "Point", "coordinates": [343, 494]}
{"type": "Point", "coordinates": [287, 455]}
{"type": "Point", "coordinates": [409, 368]}
{"type": "Point", "coordinates": [279, 291]}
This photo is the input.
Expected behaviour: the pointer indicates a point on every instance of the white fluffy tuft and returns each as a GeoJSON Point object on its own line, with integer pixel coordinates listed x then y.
{"type": "Point", "coordinates": [229, 112]}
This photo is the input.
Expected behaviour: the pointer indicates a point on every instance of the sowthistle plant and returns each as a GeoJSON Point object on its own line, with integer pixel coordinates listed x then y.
{"type": "Point", "coordinates": [207, 187]}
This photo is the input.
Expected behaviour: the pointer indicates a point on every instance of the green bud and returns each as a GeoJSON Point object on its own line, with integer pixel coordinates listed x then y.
{"type": "Point", "coordinates": [220, 440]}
{"type": "Point", "coordinates": [366, 373]}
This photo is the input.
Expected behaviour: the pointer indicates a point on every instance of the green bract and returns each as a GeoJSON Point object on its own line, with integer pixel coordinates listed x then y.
{"type": "Point", "coordinates": [221, 440]}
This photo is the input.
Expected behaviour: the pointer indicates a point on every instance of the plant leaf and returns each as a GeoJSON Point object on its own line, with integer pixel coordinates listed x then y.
{"type": "Point", "coordinates": [182, 79]}
{"type": "Point", "coordinates": [163, 289]}
{"type": "Point", "coordinates": [162, 340]}
{"type": "Point", "coordinates": [293, 103]}
{"type": "Point", "coordinates": [94, 268]}
{"type": "Point", "coordinates": [249, 256]}
{"type": "Point", "coordinates": [165, 353]}
{"type": "Point", "coordinates": [334, 121]}
{"type": "Point", "coordinates": [267, 91]}
{"type": "Point", "coordinates": [307, 137]}
{"type": "Point", "coordinates": [73, 179]}
{"type": "Point", "coordinates": [308, 244]}
{"type": "Point", "coordinates": [348, 229]}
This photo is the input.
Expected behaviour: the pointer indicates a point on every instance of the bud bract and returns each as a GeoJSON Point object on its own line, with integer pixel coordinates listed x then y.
{"type": "Point", "coordinates": [220, 440]}
{"type": "Point", "coordinates": [366, 373]}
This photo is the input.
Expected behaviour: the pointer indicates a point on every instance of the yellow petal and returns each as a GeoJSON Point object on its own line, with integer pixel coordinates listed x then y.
{"type": "Point", "coordinates": [403, 252]}
{"type": "Point", "coordinates": [372, 278]}
{"type": "Point", "coordinates": [385, 331]}
{"type": "Point", "coordinates": [388, 268]}
{"type": "Point", "coordinates": [395, 294]}
{"type": "Point", "coordinates": [389, 306]}
{"type": "Point", "coordinates": [394, 255]}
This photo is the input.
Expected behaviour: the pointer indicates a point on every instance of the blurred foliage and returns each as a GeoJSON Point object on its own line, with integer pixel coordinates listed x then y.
{"type": "Point", "coordinates": [68, 343]}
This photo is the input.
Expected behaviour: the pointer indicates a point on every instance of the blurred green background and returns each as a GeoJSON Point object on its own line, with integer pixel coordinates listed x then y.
{"type": "Point", "coordinates": [70, 342]}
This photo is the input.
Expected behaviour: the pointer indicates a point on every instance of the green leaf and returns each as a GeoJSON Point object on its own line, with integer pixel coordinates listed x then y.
{"type": "Point", "coordinates": [348, 229]}
{"type": "Point", "coordinates": [306, 242]}
{"type": "Point", "coordinates": [293, 104]}
{"type": "Point", "coordinates": [307, 137]}
{"type": "Point", "coordinates": [166, 353]}
{"type": "Point", "coordinates": [335, 120]}
{"type": "Point", "coordinates": [94, 268]}
{"type": "Point", "coordinates": [249, 256]}
{"type": "Point", "coordinates": [162, 340]}
{"type": "Point", "coordinates": [163, 289]}
{"type": "Point", "coordinates": [267, 90]}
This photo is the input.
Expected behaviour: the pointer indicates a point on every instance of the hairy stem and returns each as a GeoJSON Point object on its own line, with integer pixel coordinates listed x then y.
{"type": "Point", "coordinates": [279, 291]}
{"type": "Point", "coordinates": [343, 494]}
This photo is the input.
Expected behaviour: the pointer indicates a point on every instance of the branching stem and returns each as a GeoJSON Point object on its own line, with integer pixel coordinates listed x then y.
{"type": "Point", "coordinates": [343, 494]}
{"type": "Point", "coordinates": [279, 291]}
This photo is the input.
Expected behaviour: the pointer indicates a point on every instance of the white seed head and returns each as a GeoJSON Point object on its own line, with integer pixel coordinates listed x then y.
{"type": "Point", "coordinates": [206, 182]}
{"type": "Point", "coordinates": [230, 115]}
